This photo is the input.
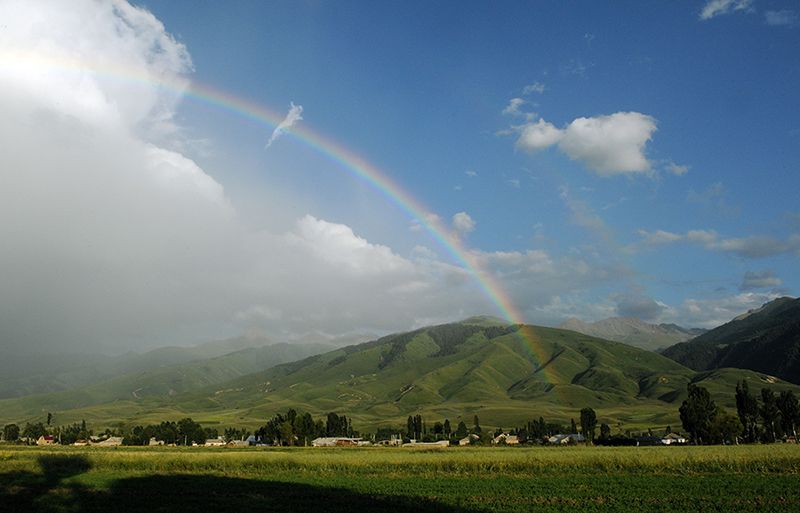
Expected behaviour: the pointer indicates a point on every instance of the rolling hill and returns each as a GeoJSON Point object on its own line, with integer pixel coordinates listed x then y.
{"type": "Point", "coordinates": [635, 332]}
{"type": "Point", "coordinates": [766, 340]}
{"type": "Point", "coordinates": [24, 374]}
{"type": "Point", "coordinates": [506, 374]}
{"type": "Point", "coordinates": [162, 381]}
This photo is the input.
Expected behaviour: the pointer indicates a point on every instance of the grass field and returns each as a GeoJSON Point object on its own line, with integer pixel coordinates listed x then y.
{"type": "Point", "coordinates": [753, 478]}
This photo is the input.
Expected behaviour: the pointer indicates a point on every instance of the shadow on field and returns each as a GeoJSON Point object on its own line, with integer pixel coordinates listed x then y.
{"type": "Point", "coordinates": [52, 491]}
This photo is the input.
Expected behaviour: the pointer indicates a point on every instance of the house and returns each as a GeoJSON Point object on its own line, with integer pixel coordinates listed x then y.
{"type": "Point", "coordinates": [335, 441]}
{"type": "Point", "coordinates": [81, 443]}
{"type": "Point", "coordinates": [470, 439]}
{"type": "Point", "coordinates": [215, 442]}
{"type": "Point", "coordinates": [153, 441]}
{"type": "Point", "coordinates": [503, 438]}
{"type": "Point", "coordinates": [440, 443]}
{"type": "Point", "coordinates": [566, 439]}
{"type": "Point", "coordinates": [673, 439]}
{"type": "Point", "coordinates": [238, 443]}
{"type": "Point", "coordinates": [46, 440]}
{"type": "Point", "coordinates": [111, 441]}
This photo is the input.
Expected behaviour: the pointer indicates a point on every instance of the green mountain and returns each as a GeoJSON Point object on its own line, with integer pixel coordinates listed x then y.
{"type": "Point", "coordinates": [505, 374]}
{"type": "Point", "coordinates": [137, 387]}
{"type": "Point", "coordinates": [766, 340]}
{"type": "Point", "coordinates": [634, 332]}
{"type": "Point", "coordinates": [24, 374]}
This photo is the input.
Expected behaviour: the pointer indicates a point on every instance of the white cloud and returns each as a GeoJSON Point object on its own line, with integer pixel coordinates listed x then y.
{"type": "Point", "coordinates": [513, 107]}
{"type": "Point", "coordinates": [463, 223]}
{"type": "Point", "coordinates": [608, 145]}
{"type": "Point", "coordinates": [713, 312]}
{"type": "Point", "coordinates": [536, 87]}
{"type": "Point", "coordinates": [538, 136]}
{"type": "Point", "coordinates": [113, 239]}
{"type": "Point", "coordinates": [659, 237]}
{"type": "Point", "coordinates": [337, 244]}
{"type": "Point", "coordinates": [751, 247]}
{"type": "Point", "coordinates": [714, 8]}
{"type": "Point", "coordinates": [611, 144]}
{"type": "Point", "coordinates": [759, 280]}
{"type": "Point", "coordinates": [471, 173]}
{"type": "Point", "coordinates": [513, 182]}
{"type": "Point", "coordinates": [676, 169]}
{"type": "Point", "coordinates": [292, 117]}
{"type": "Point", "coordinates": [784, 17]}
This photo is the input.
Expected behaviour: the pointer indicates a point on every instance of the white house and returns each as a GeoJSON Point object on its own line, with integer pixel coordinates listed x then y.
{"type": "Point", "coordinates": [503, 438]}
{"type": "Point", "coordinates": [673, 438]}
{"type": "Point", "coordinates": [566, 439]}
{"type": "Point", "coordinates": [215, 442]}
{"type": "Point", "coordinates": [469, 439]}
{"type": "Point", "coordinates": [440, 443]}
{"type": "Point", "coordinates": [111, 441]}
{"type": "Point", "coordinates": [336, 441]}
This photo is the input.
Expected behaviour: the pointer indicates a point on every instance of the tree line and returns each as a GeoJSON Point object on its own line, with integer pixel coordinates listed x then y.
{"type": "Point", "coordinates": [766, 421]}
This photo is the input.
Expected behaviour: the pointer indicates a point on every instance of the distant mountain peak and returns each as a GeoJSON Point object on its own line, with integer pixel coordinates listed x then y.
{"type": "Point", "coordinates": [633, 331]}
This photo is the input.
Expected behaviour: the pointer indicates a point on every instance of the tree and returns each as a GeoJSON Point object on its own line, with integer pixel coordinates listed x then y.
{"type": "Point", "coordinates": [747, 409]}
{"type": "Point", "coordinates": [49, 418]}
{"type": "Point", "coordinates": [769, 413]}
{"type": "Point", "coordinates": [573, 428]}
{"type": "Point", "coordinates": [725, 428]}
{"type": "Point", "coordinates": [588, 423]}
{"type": "Point", "coordinates": [461, 430]}
{"type": "Point", "coordinates": [34, 431]}
{"type": "Point", "coordinates": [190, 432]}
{"type": "Point", "coordinates": [697, 412]}
{"type": "Point", "coordinates": [231, 434]}
{"type": "Point", "coordinates": [447, 429]}
{"type": "Point", "coordinates": [790, 412]}
{"type": "Point", "coordinates": [476, 426]}
{"type": "Point", "coordinates": [11, 432]}
{"type": "Point", "coordinates": [605, 431]}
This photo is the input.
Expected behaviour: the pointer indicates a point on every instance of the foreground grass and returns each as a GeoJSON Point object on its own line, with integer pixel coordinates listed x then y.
{"type": "Point", "coordinates": [753, 478]}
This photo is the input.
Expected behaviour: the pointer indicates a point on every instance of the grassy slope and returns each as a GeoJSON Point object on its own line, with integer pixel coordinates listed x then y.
{"type": "Point", "coordinates": [140, 390]}
{"type": "Point", "coordinates": [452, 371]}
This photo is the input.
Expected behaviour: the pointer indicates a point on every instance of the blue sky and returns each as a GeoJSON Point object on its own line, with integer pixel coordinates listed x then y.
{"type": "Point", "coordinates": [634, 158]}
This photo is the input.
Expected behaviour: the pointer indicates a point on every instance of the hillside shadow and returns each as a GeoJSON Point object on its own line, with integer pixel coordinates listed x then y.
{"type": "Point", "coordinates": [52, 491]}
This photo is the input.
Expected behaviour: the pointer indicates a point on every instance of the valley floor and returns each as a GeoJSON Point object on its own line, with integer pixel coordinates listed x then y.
{"type": "Point", "coordinates": [743, 478]}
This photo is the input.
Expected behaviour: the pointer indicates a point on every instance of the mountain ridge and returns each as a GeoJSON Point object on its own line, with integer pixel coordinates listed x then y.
{"type": "Point", "coordinates": [633, 331]}
{"type": "Point", "coordinates": [766, 339]}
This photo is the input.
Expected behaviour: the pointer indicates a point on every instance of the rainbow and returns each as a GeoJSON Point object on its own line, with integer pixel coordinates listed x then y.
{"type": "Point", "coordinates": [346, 159]}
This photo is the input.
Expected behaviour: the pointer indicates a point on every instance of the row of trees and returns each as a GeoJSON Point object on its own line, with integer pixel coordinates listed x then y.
{"type": "Point", "coordinates": [766, 421]}
{"type": "Point", "coordinates": [184, 432]}
{"type": "Point", "coordinates": [776, 416]}
{"type": "Point", "coordinates": [68, 434]}
{"type": "Point", "coordinates": [418, 429]}
{"type": "Point", "coordinates": [298, 428]}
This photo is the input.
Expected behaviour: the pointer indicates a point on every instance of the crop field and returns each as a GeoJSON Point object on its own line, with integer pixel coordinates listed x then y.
{"type": "Point", "coordinates": [744, 478]}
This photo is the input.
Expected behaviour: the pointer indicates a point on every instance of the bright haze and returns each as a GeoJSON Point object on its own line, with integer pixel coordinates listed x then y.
{"type": "Point", "coordinates": [591, 160]}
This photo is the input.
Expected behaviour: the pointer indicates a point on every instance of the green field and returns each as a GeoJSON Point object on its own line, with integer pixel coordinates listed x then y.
{"type": "Point", "coordinates": [744, 478]}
